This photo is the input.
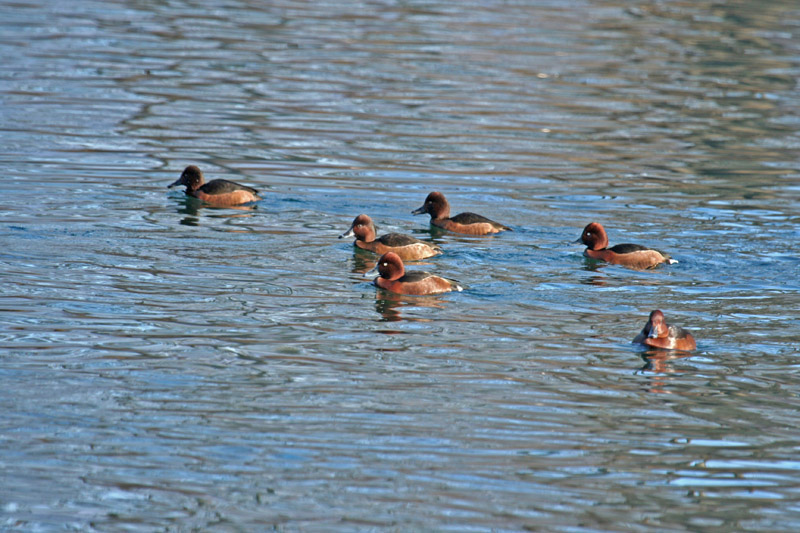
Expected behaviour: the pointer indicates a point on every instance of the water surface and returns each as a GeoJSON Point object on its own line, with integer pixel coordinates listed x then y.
{"type": "Point", "coordinates": [169, 366]}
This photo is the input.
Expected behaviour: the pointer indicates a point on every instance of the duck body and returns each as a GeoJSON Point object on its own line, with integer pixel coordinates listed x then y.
{"type": "Point", "coordinates": [406, 247]}
{"type": "Point", "coordinates": [438, 208]}
{"type": "Point", "coordinates": [393, 277]}
{"type": "Point", "coordinates": [218, 192]}
{"type": "Point", "coordinates": [658, 334]}
{"type": "Point", "coordinates": [631, 255]}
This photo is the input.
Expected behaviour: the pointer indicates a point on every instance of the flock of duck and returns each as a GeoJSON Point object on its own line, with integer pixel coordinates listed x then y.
{"type": "Point", "coordinates": [394, 248]}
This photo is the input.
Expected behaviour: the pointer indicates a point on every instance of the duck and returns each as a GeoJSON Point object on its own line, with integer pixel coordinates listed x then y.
{"type": "Point", "coordinates": [658, 334]}
{"type": "Point", "coordinates": [406, 247]}
{"type": "Point", "coordinates": [218, 192]}
{"type": "Point", "coordinates": [438, 208]}
{"type": "Point", "coordinates": [630, 255]}
{"type": "Point", "coordinates": [393, 278]}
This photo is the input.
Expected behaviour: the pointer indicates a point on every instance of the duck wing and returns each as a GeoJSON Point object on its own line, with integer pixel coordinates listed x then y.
{"type": "Point", "coordinates": [396, 240]}
{"type": "Point", "coordinates": [220, 186]}
{"type": "Point", "coordinates": [628, 248]}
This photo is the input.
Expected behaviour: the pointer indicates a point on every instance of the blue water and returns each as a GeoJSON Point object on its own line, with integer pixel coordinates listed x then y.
{"type": "Point", "coordinates": [168, 366]}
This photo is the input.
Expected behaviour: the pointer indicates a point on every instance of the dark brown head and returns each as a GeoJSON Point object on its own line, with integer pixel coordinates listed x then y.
{"type": "Point", "coordinates": [390, 266]}
{"type": "Point", "coordinates": [435, 205]}
{"type": "Point", "coordinates": [594, 237]}
{"type": "Point", "coordinates": [191, 177]}
{"type": "Point", "coordinates": [363, 228]}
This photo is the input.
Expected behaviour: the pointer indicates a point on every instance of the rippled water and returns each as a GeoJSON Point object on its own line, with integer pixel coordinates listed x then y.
{"type": "Point", "coordinates": [173, 367]}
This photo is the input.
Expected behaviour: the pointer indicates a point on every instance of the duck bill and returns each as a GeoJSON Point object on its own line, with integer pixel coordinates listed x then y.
{"type": "Point", "coordinates": [579, 240]}
{"type": "Point", "coordinates": [419, 211]}
{"type": "Point", "coordinates": [348, 233]}
{"type": "Point", "coordinates": [371, 272]}
{"type": "Point", "coordinates": [177, 182]}
{"type": "Point", "coordinates": [653, 333]}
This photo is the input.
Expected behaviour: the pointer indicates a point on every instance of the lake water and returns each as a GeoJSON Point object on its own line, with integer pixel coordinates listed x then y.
{"type": "Point", "coordinates": [172, 367]}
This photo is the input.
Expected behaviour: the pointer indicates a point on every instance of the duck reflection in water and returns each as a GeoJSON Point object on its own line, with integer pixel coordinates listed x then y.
{"type": "Point", "coordinates": [191, 207]}
{"type": "Point", "coordinates": [389, 306]}
{"type": "Point", "coordinates": [363, 261]}
{"type": "Point", "coordinates": [597, 281]}
{"type": "Point", "coordinates": [658, 364]}
{"type": "Point", "coordinates": [660, 361]}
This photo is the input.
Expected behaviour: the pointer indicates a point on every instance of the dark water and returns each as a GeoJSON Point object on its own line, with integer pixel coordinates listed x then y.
{"type": "Point", "coordinates": [166, 366]}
